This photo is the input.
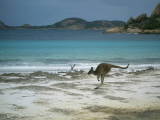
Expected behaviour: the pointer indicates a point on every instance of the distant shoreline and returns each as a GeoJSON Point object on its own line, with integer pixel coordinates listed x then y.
{"type": "Point", "coordinates": [132, 30]}
{"type": "Point", "coordinates": [71, 24]}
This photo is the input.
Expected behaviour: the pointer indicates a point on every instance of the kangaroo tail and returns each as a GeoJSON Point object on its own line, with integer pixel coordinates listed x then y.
{"type": "Point", "coordinates": [115, 66]}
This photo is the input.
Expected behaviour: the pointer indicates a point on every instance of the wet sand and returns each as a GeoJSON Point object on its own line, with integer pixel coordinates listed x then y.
{"type": "Point", "coordinates": [71, 96]}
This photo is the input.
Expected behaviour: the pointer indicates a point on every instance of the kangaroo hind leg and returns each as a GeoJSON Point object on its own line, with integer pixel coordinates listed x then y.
{"type": "Point", "coordinates": [102, 78]}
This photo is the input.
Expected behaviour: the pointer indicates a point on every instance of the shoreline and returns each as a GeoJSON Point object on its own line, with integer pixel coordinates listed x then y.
{"type": "Point", "coordinates": [112, 30]}
{"type": "Point", "coordinates": [58, 68]}
{"type": "Point", "coordinates": [132, 30]}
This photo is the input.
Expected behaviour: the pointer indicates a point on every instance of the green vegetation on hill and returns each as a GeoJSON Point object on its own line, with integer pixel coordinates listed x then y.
{"type": "Point", "coordinates": [78, 23]}
{"type": "Point", "coordinates": [69, 22]}
{"type": "Point", "coordinates": [103, 24]}
{"type": "Point", "coordinates": [2, 25]}
{"type": "Point", "coordinates": [146, 22]}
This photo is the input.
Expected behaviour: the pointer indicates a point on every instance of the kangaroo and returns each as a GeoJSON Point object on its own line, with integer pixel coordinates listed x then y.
{"type": "Point", "coordinates": [102, 69]}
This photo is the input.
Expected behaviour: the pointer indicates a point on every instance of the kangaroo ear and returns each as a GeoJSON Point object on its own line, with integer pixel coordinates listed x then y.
{"type": "Point", "coordinates": [91, 68]}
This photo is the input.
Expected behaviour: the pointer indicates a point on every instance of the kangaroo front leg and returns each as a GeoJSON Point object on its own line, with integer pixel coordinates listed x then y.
{"type": "Point", "coordinates": [98, 77]}
{"type": "Point", "coordinates": [102, 80]}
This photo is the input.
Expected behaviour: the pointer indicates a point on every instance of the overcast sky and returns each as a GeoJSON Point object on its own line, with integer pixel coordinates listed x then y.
{"type": "Point", "coordinates": [43, 12]}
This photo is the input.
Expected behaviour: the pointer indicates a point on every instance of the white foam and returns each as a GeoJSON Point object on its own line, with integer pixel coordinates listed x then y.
{"type": "Point", "coordinates": [140, 67]}
{"type": "Point", "coordinates": [66, 67]}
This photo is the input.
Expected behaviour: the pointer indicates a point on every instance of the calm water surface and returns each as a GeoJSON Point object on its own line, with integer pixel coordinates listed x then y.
{"type": "Point", "coordinates": [25, 50]}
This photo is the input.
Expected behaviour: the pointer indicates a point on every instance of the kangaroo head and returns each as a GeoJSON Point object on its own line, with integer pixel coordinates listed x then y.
{"type": "Point", "coordinates": [91, 71]}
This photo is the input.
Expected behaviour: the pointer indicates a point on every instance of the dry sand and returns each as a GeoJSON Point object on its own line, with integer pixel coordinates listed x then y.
{"type": "Point", "coordinates": [71, 96]}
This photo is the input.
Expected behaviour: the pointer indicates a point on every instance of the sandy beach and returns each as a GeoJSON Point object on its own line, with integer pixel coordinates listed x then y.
{"type": "Point", "coordinates": [71, 96]}
{"type": "Point", "coordinates": [51, 50]}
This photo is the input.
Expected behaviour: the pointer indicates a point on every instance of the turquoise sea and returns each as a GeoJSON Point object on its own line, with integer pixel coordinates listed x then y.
{"type": "Point", "coordinates": [56, 50]}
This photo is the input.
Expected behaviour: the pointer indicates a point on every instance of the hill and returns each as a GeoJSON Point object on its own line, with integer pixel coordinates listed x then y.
{"type": "Point", "coordinates": [78, 23]}
{"type": "Point", "coordinates": [72, 24]}
{"type": "Point", "coordinates": [2, 25]}
{"type": "Point", "coordinates": [142, 23]}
